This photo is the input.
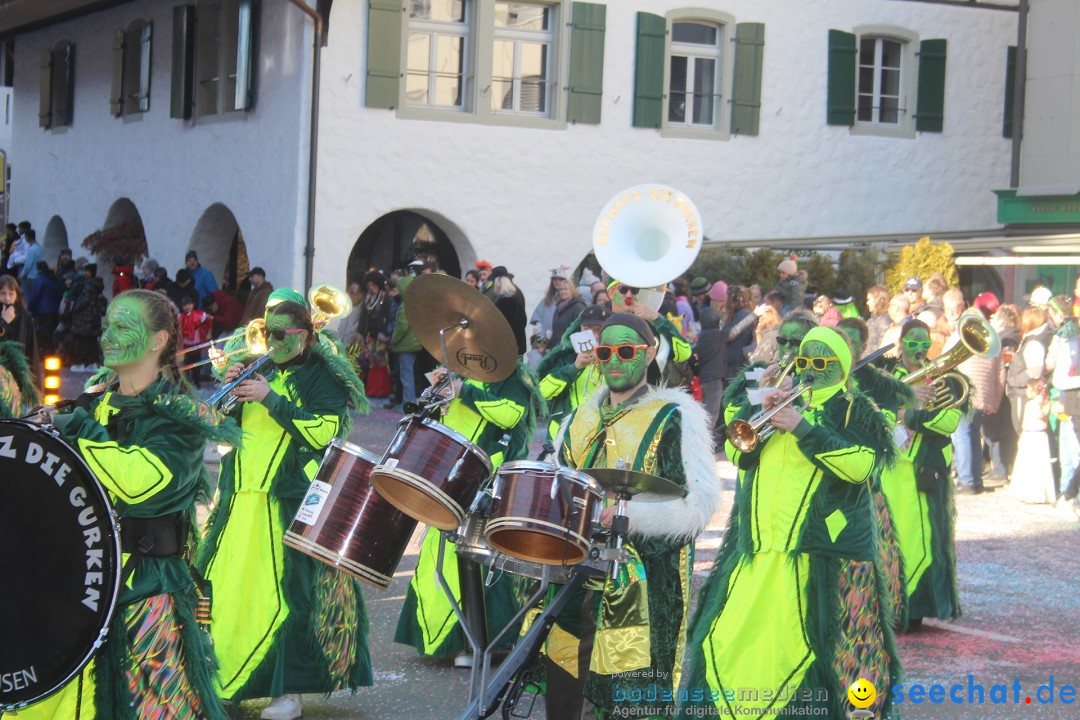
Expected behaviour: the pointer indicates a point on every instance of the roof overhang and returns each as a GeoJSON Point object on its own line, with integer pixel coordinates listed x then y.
{"type": "Point", "coordinates": [20, 16]}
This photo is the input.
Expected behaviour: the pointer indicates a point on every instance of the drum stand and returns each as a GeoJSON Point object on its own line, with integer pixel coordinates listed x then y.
{"type": "Point", "coordinates": [487, 691]}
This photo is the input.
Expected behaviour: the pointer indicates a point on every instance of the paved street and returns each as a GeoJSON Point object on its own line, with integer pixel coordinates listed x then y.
{"type": "Point", "coordinates": [1018, 590]}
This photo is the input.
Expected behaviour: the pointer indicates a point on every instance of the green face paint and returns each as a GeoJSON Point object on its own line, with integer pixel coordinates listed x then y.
{"type": "Point", "coordinates": [789, 338]}
{"type": "Point", "coordinates": [911, 357]}
{"type": "Point", "coordinates": [621, 375]}
{"type": "Point", "coordinates": [852, 333]}
{"type": "Point", "coordinates": [287, 348]}
{"type": "Point", "coordinates": [126, 336]}
{"type": "Point", "coordinates": [820, 379]}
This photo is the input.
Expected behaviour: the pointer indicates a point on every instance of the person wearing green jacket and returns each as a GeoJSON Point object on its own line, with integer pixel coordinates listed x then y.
{"type": "Point", "coordinates": [404, 344]}
{"type": "Point", "coordinates": [499, 417]}
{"type": "Point", "coordinates": [568, 377]}
{"type": "Point", "coordinates": [143, 432]}
{"type": "Point", "coordinates": [794, 608]}
{"type": "Point", "coordinates": [284, 623]}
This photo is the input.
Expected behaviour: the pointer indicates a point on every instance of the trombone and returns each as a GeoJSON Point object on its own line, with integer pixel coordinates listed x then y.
{"type": "Point", "coordinates": [254, 344]}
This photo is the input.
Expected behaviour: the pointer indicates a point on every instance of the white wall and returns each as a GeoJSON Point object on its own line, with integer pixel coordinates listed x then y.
{"type": "Point", "coordinates": [1051, 147]}
{"type": "Point", "coordinates": [528, 198]}
{"type": "Point", "coordinates": [172, 170]}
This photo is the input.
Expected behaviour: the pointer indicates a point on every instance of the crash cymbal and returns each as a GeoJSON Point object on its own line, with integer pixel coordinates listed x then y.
{"type": "Point", "coordinates": [479, 341]}
{"type": "Point", "coordinates": [638, 485]}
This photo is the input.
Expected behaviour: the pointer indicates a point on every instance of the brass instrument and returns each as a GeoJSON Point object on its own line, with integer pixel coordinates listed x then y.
{"type": "Point", "coordinates": [746, 435]}
{"type": "Point", "coordinates": [977, 338]}
{"type": "Point", "coordinates": [785, 365]}
{"type": "Point", "coordinates": [254, 344]}
{"type": "Point", "coordinates": [327, 303]}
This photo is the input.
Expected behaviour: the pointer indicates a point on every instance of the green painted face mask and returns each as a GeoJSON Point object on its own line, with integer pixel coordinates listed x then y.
{"type": "Point", "coordinates": [126, 336]}
{"type": "Point", "coordinates": [620, 373]}
{"type": "Point", "coordinates": [289, 345]}
{"type": "Point", "coordinates": [914, 346]}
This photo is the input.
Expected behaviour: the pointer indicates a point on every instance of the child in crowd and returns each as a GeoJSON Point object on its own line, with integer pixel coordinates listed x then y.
{"type": "Point", "coordinates": [195, 326]}
{"type": "Point", "coordinates": [1033, 478]}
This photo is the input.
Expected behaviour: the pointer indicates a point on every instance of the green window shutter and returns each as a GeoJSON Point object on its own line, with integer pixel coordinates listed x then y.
{"type": "Point", "coordinates": [45, 90]}
{"type": "Point", "coordinates": [183, 61]}
{"type": "Point", "coordinates": [930, 109]}
{"type": "Point", "coordinates": [63, 85]}
{"type": "Point", "coordinates": [586, 63]}
{"type": "Point", "coordinates": [116, 99]}
{"type": "Point", "coordinates": [245, 51]}
{"type": "Point", "coordinates": [841, 94]}
{"type": "Point", "coordinates": [649, 71]}
{"type": "Point", "coordinates": [746, 86]}
{"type": "Point", "coordinates": [1010, 90]}
{"type": "Point", "coordinates": [384, 53]}
{"type": "Point", "coordinates": [144, 67]}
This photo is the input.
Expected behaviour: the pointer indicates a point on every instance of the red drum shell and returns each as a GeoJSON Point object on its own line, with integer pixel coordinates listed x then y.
{"type": "Point", "coordinates": [472, 545]}
{"type": "Point", "coordinates": [431, 473]}
{"type": "Point", "coordinates": [529, 519]}
{"type": "Point", "coordinates": [344, 523]}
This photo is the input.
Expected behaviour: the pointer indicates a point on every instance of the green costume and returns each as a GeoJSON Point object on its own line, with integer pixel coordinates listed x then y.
{"type": "Point", "coordinates": [147, 450]}
{"type": "Point", "coordinates": [483, 413]}
{"type": "Point", "coordinates": [564, 385]}
{"type": "Point", "coordinates": [794, 609]}
{"type": "Point", "coordinates": [919, 493]}
{"type": "Point", "coordinates": [630, 637]}
{"type": "Point", "coordinates": [18, 392]}
{"type": "Point", "coordinates": [284, 623]}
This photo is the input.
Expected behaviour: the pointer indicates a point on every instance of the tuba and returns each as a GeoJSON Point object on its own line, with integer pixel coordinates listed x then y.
{"type": "Point", "coordinates": [327, 303]}
{"type": "Point", "coordinates": [977, 339]}
{"type": "Point", "coordinates": [646, 236]}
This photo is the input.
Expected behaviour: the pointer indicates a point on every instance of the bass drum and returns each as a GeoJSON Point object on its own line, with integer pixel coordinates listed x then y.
{"type": "Point", "coordinates": [59, 560]}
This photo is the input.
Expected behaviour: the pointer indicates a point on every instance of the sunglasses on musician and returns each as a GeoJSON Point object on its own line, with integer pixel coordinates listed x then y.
{"type": "Point", "coordinates": [781, 340]}
{"type": "Point", "coordinates": [625, 352]}
{"type": "Point", "coordinates": [917, 345]}
{"type": "Point", "coordinates": [279, 335]}
{"type": "Point", "coordinates": [817, 363]}
{"type": "Point", "coordinates": [627, 290]}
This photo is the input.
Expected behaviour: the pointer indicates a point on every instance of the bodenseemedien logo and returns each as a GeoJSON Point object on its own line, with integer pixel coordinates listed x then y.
{"type": "Point", "coordinates": [862, 694]}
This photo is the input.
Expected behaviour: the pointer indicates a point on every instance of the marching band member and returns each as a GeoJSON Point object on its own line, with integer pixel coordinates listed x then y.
{"type": "Point", "coordinates": [569, 377]}
{"type": "Point", "coordinates": [919, 492]}
{"type": "Point", "coordinates": [612, 644]}
{"type": "Point", "coordinates": [500, 418]}
{"type": "Point", "coordinates": [143, 437]}
{"type": "Point", "coordinates": [794, 606]}
{"type": "Point", "coordinates": [284, 623]}
{"type": "Point", "coordinates": [18, 392]}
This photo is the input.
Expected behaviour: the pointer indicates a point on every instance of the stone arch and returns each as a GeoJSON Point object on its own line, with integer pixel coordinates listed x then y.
{"type": "Point", "coordinates": [122, 237]}
{"type": "Point", "coordinates": [398, 237]}
{"type": "Point", "coordinates": [219, 243]}
{"type": "Point", "coordinates": [54, 240]}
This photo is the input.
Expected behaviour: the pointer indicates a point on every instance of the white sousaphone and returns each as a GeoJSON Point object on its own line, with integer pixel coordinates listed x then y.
{"type": "Point", "coordinates": [646, 236]}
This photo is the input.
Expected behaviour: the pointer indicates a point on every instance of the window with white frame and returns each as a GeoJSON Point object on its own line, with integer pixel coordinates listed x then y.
{"type": "Point", "coordinates": [695, 74]}
{"type": "Point", "coordinates": [522, 72]}
{"type": "Point", "coordinates": [223, 56]}
{"type": "Point", "coordinates": [436, 72]}
{"type": "Point", "coordinates": [880, 80]}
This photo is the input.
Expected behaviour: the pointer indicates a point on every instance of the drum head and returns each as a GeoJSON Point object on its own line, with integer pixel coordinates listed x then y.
{"type": "Point", "coordinates": [59, 560]}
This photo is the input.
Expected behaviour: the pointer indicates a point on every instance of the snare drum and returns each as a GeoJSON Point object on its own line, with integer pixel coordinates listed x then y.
{"type": "Point", "coordinates": [344, 523]}
{"type": "Point", "coordinates": [542, 513]}
{"type": "Point", "coordinates": [59, 560]}
{"type": "Point", "coordinates": [471, 544]}
{"type": "Point", "coordinates": [431, 472]}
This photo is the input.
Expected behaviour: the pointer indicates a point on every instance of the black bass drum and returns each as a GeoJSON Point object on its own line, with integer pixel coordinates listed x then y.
{"type": "Point", "coordinates": [59, 560]}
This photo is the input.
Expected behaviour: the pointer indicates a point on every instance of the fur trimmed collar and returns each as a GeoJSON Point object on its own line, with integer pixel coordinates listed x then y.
{"type": "Point", "coordinates": [685, 518]}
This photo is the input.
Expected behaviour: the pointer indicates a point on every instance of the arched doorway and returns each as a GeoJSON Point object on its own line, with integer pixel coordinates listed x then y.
{"type": "Point", "coordinates": [121, 240]}
{"type": "Point", "coordinates": [54, 240]}
{"type": "Point", "coordinates": [220, 245]}
{"type": "Point", "coordinates": [398, 238]}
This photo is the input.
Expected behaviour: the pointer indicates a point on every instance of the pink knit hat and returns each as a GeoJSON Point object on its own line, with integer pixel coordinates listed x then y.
{"type": "Point", "coordinates": [718, 291]}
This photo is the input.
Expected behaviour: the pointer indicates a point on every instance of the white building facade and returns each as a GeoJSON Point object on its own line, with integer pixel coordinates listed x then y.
{"type": "Point", "coordinates": [498, 130]}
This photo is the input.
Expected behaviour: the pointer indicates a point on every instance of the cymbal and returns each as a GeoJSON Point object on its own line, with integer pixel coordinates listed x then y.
{"type": "Point", "coordinates": [479, 341]}
{"type": "Point", "coordinates": [618, 481]}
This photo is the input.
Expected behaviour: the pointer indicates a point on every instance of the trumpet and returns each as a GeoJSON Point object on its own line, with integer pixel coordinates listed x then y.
{"type": "Point", "coordinates": [747, 435]}
{"type": "Point", "coordinates": [254, 344]}
{"type": "Point", "coordinates": [211, 343]}
{"type": "Point", "coordinates": [977, 338]}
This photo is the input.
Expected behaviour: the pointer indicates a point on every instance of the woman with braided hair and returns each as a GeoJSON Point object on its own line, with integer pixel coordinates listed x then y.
{"type": "Point", "coordinates": [143, 433]}
{"type": "Point", "coordinates": [284, 624]}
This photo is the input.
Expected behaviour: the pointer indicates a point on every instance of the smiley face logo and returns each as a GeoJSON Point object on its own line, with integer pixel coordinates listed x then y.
{"type": "Point", "coordinates": [862, 693]}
